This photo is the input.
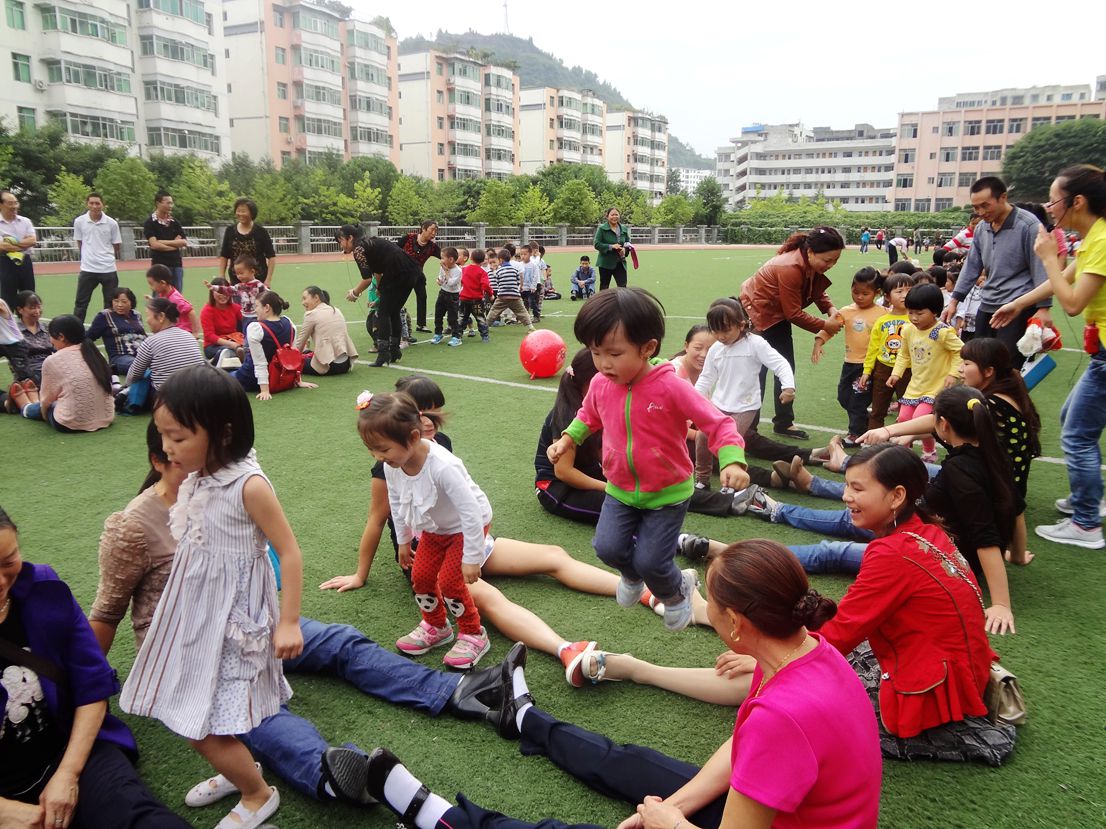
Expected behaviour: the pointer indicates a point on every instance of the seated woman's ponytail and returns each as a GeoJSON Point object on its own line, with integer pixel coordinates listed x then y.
{"type": "Point", "coordinates": [71, 329]}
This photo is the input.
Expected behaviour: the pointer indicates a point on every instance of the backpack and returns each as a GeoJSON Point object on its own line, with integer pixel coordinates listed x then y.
{"type": "Point", "coordinates": [286, 366]}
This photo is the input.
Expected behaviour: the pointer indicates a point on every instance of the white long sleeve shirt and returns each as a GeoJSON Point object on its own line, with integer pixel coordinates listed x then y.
{"type": "Point", "coordinates": [731, 373]}
{"type": "Point", "coordinates": [255, 334]}
{"type": "Point", "coordinates": [450, 280]}
{"type": "Point", "coordinates": [443, 499]}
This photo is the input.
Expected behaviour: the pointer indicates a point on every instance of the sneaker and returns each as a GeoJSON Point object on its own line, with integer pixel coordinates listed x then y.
{"type": "Point", "coordinates": [531, 330]}
{"type": "Point", "coordinates": [929, 457]}
{"type": "Point", "coordinates": [423, 638]}
{"type": "Point", "coordinates": [485, 339]}
{"type": "Point", "coordinates": [211, 790]}
{"type": "Point", "coordinates": [468, 650]}
{"type": "Point", "coordinates": [1064, 505]}
{"type": "Point", "coordinates": [677, 615]}
{"type": "Point", "coordinates": [1068, 532]}
{"type": "Point", "coordinates": [758, 502]}
{"type": "Point", "coordinates": [437, 338]}
{"type": "Point", "coordinates": [496, 324]}
{"type": "Point", "coordinates": [471, 333]}
{"type": "Point", "coordinates": [628, 593]}
{"type": "Point", "coordinates": [574, 657]}
{"type": "Point", "coordinates": [454, 342]}
{"type": "Point", "coordinates": [693, 546]}
{"type": "Point", "coordinates": [652, 602]}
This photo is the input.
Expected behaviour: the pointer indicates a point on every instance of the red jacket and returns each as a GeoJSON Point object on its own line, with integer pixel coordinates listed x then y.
{"type": "Point", "coordinates": [781, 289]}
{"type": "Point", "coordinates": [925, 627]}
{"type": "Point", "coordinates": [220, 322]}
{"type": "Point", "coordinates": [474, 283]}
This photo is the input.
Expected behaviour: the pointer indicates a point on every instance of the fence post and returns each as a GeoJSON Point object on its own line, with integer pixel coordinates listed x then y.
{"type": "Point", "coordinates": [373, 228]}
{"type": "Point", "coordinates": [126, 230]}
{"type": "Point", "coordinates": [303, 231]}
{"type": "Point", "coordinates": [680, 235]}
{"type": "Point", "coordinates": [702, 234]}
{"type": "Point", "coordinates": [562, 235]}
{"type": "Point", "coordinates": [655, 234]}
{"type": "Point", "coordinates": [524, 233]}
{"type": "Point", "coordinates": [714, 234]}
{"type": "Point", "coordinates": [481, 229]}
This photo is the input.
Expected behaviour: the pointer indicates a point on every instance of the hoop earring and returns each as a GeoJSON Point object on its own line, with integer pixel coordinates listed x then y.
{"type": "Point", "coordinates": [734, 635]}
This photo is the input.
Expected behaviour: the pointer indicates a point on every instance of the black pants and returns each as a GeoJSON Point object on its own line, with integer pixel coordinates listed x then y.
{"type": "Point", "coordinates": [420, 300]}
{"type": "Point", "coordinates": [17, 359]}
{"type": "Point", "coordinates": [336, 367]}
{"type": "Point", "coordinates": [618, 272]}
{"type": "Point", "coordinates": [447, 305]}
{"type": "Point", "coordinates": [1008, 335]}
{"type": "Point", "coordinates": [581, 505]}
{"type": "Point", "coordinates": [86, 285]}
{"type": "Point", "coordinates": [892, 254]}
{"type": "Point", "coordinates": [474, 309]}
{"type": "Point", "coordinates": [758, 446]}
{"type": "Point", "coordinates": [855, 403]}
{"type": "Point", "coordinates": [394, 290]}
{"type": "Point", "coordinates": [780, 338]}
{"type": "Point", "coordinates": [15, 278]}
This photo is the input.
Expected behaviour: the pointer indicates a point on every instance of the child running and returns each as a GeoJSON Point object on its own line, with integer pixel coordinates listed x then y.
{"type": "Point", "coordinates": [858, 318]}
{"type": "Point", "coordinates": [210, 666]}
{"type": "Point", "coordinates": [931, 350]}
{"type": "Point", "coordinates": [883, 349]}
{"type": "Point", "coordinates": [448, 303]}
{"type": "Point", "coordinates": [643, 411]}
{"type": "Point", "coordinates": [431, 493]}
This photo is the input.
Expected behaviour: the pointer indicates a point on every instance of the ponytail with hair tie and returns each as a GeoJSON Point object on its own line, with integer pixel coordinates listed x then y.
{"type": "Point", "coordinates": [972, 403]}
{"type": "Point", "coordinates": [813, 610]}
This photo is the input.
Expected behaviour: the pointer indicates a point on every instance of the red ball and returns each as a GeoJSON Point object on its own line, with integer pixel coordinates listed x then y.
{"type": "Point", "coordinates": [542, 353]}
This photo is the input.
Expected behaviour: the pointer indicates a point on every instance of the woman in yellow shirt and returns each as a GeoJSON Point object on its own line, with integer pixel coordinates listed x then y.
{"type": "Point", "coordinates": [1077, 201]}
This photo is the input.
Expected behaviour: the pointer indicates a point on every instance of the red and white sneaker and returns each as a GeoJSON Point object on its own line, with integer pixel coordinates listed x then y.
{"type": "Point", "coordinates": [468, 650]}
{"type": "Point", "coordinates": [574, 657]}
{"type": "Point", "coordinates": [423, 638]}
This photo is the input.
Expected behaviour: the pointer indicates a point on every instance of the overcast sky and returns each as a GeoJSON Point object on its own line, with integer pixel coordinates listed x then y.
{"type": "Point", "coordinates": [712, 67]}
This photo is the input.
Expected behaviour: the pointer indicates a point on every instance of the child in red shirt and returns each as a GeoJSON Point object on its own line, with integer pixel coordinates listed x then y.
{"type": "Point", "coordinates": [475, 286]}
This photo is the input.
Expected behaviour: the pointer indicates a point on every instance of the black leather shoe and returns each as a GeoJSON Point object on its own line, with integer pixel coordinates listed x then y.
{"type": "Point", "coordinates": [476, 694]}
{"type": "Point", "coordinates": [380, 765]}
{"type": "Point", "coordinates": [504, 718]}
{"type": "Point", "coordinates": [347, 772]}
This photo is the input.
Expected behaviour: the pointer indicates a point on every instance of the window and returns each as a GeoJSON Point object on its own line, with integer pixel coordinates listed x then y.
{"type": "Point", "coordinates": [370, 73]}
{"type": "Point", "coordinates": [189, 96]}
{"type": "Point", "coordinates": [973, 127]}
{"type": "Point", "coordinates": [933, 156]}
{"type": "Point", "coordinates": [921, 205]}
{"type": "Point", "coordinates": [992, 153]}
{"type": "Point", "coordinates": [969, 153]}
{"type": "Point", "coordinates": [441, 148]}
{"type": "Point", "coordinates": [80, 23]}
{"type": "Point", "coordinates": [902, 205]}
{"type": "Point", "coordinates": [371, 135]}
{"type": "Point", "coordinates": [497, 154]}
{"type": "Point", "coordinates": [945, 179]}
{"type": "Point", "coordinates": [83, 74]}
{"type": "Point", "coordinates": [190, 9]}
{"type": "Point", "coordinates": [281, 55]}
{"type": "Point", "coordinates": [441, 123]}
{"type": "Point", "coordinates": [368, 103]}
{"type": "Point", "coordinates": [21, 67]}
{"type": "Point", "coordinates": [440, 97]}
{"type": "Point", "coordinates": [16, 14]}
{"type": "Point", "coordinates": [182, 139]}
{"type": "Point", "coordinates": [311, 22]}
{"type": "Point", "coordinates": [942, 204]}
{"type": "Point", "coordinates": [1060, 118]}
{"type": "Point", "coordinates": [92, 126]}
{"type": "Point", "coordinates": [551, 123]}
{"type": "Point", "coordinates": [904, 180]}
{"type": "Point", "coordinates": [994, 126]}
{"type": "Point", "coordinates": [367, 40]}
{"type": "Point", "coordinates": [156, 45]}
{"type": "Point", "coordinates": [323, 94]}
{"type": "Point", "coordinates": [1065, 96]}
{"type": "Point", "coordinates": [282, 91]}
{"type": "Point", "coordinates": [282, 124]}
{"type": "Point", "coordinates": [551, 143]}
{"type": "Point", "coordinates": [320, 126]}
{"type": "Point", "coordinates": [25, 117]}
{"type": "Point", "coordinates": [499, 131]}
{"type": "Point", "coordinates": [908, 131]}
{"type": "Point", "coordinates": [1041, 121]}
{"type": "Point", "coordinates": [950, 129]}
{"type": "Point", "coordinates": [948, 154]}
{"type": "Point", "coordinates": [965, 180]}
{"type": "Point", "coordinates": [317, 59]}
{"type": "Point", "coordinates": [439, 65]}
{"type": "Point", "coordinates": [1015, 125]}
{"type": "Point", "coordinates": [278, 21]}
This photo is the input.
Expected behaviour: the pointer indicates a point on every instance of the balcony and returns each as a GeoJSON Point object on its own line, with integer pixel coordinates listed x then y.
{"type": "Point", "coordinates": [464, 110]}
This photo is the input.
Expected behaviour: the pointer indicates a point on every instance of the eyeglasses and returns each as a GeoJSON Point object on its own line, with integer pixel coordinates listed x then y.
{"type": "Point", "coordinates": [1054, 202]}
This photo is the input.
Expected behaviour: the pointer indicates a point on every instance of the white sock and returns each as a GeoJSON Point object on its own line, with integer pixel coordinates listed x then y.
{"type": "Point", "coordinates": [518, 688]}
{"type": "Point", "coordinates": [400, 788]}
{"type": "Point", "coordinates": [329, 791]}
{"type": "Point", "coordinates": [561, 648]}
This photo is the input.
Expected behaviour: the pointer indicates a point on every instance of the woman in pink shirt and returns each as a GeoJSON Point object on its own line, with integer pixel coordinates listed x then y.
{"type": "Point", "coordinates": [76, 383]}
{"type": "Point", "coordinates": [804, 752]}
{"type": "Point", "coordinates": [160, 279]}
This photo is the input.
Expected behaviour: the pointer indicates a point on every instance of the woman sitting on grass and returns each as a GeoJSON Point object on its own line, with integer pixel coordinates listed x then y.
{"type": "Point", "coordinates": [28, 307]}
{"type": "Point", "coordinates": [221, 319]}
{"type": "Point", "coordinates": [121, 329]}
{"type": "Point", "coordinates": [325, 328]}
{"type": "Point", "coordinates": [271, 331]}
{"type": "Point", "coordinates": [168, 349]}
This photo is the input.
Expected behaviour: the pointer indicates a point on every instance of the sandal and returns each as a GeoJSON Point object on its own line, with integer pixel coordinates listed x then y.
{"type": "Point", "coordinates": [242, 818]}
{"type": "Point", "coordinates": [595, 669]}
{"type": "Point", "coordinates": [29, 385]}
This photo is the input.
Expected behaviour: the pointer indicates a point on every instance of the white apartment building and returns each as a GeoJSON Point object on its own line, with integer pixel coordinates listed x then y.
{"type": "Point", "coordinates": [151, 77]}
{"type": "Point", "coordinates": [854, 166]}
{"type": "Point", "coordinates": [636, 151]}
{"type": "Point", "coordinates": [560, 126]}
{"type": "Point", "coordinates": [1021, 96]}
{"type": "Point", "coordinates": [690, 178]}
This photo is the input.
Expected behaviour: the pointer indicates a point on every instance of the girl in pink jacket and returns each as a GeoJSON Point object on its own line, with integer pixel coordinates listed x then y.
{"type": "Point", "coordinates": [643, 409]}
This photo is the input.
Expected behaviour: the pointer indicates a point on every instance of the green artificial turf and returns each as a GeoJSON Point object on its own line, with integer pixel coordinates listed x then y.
{"type": "Point", "coordinates": [59, 488]}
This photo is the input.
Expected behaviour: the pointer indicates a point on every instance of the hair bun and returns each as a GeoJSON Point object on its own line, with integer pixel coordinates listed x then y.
{"type": "Point", "coordinates": [813, 610]}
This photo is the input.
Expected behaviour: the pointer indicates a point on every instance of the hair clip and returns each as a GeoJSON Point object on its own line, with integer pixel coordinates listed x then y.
{"type": "Point", "coordinates": [364, 399]}
{"type": "Point", "coordinates": [972, 403]}
{"type": "Point", "coordinates": [570, 371]}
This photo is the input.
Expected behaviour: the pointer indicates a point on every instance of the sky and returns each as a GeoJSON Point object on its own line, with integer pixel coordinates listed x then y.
{"type": "Point", "coordinates": [712, 67]}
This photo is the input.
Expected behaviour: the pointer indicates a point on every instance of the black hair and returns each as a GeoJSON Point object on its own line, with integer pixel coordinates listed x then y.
{"type": "Point", "coordinates": [160, 196]}
{"type": "Point", "coordinates": [394, 417]}
{"type": "Point", "coordinates": [896, 280]}
{"type": "Point", "coordinates": [429, 223]}
{"type": "Point", "coordinates": [204, 397]}
{"type": "Point", "coordinates": [585, 258]}
{"type": "Point", "coordinates": [990, 353]}
{"type": "Point", "coordinates": [939, 274]}
{"type": "Point", "coordinates": [160, 273]}
{"type": "Point", "coordinates": [273, 300]}
{"type": "Point", "coordinates": [967, 413]}
{"type": "Point", "coordinates": [640, 314]}
{"type": "Point", "coordinates": [571, 389]}
{"type": "Point", "coordinates": [6, 522]}
{"type": "Point", "coordinates": [425, 392]}
{"type": "Point", "coordinates": [925, 298]}
{"type": "Point", "coordinates": [1038, 210]}
{"type": "Point", "coordinates": [93, 195]}
{"type": "Point", "coordinates": [510, 248]}
{"type": "Point", "coordinates": [250, 205]}
{"type": "Point", "coordinates": [725, 313]}
{"type": "Point", "coordinates": [451, 252]}
{"type": "Point", "coordinates": [505, 254]}
{"type": "Point", "coordinates": [939, 256]}
{"type": "Point", "coordinates": [154, 451]}
{"type": "Point", "coordinates": [893, 465]}
{"type": "Point", "coordinates": [870, 277]}
{"type": "Point", "coordinates": [691, 332]}
{"type": "Point", "coordinates": [316, 291]}
{"type": "Point", "coordinates": [993, 183]}
{"type": "Point", "coordinates": [541, 250]}
{"type": "Point", "coordinates": [923, 278]}
{"type": "Point", "coordinates": [1087, 181]}
{"type": "Point", "coordinates": [477, 256]}
{"type": "Point", "coordinates": [25, 299]}
{"type": "Point", "coordinates": [903, 266]}
{"type": "Point", "coordinates": [72, 329]}
{"type": "Point", "coordinates": [354, 232]}
{"type": "Point", "coordinates": [123, 290]}
{"type": "Point", "coordinates": [247, 262]}
{"type": "Point", "coordinates": [216, 282]}
{"type": "Point", "coordinates": [160, 305]}
{"type": "Point", "coordinates": [819, 240]}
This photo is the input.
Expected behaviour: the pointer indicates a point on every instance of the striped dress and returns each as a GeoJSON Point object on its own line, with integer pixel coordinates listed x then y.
{"type": "Point", "coordinates": [207, 664]}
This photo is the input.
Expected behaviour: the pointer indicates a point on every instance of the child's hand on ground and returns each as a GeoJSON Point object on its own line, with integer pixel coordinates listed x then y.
{"type": "Point", "coordinates": [287, 640]}
{"type": "Point", "coordinates": [557, 448]}
{"type": "Point", "coordinates": [264, 395]}
{"type": "Point", "coordinates": [1000, 619]}
{"type": "Point", "coordinates": [343, 583]}
{"type": "Point", "coordinates": [734, 476]}
{"type": "Point", "coordinates": [787, 395]}
{"type": "Point", "coordinates": [406, 557]}
{"type": "Point", "coordinates": [471, 572]}
{"type": "Point", "coordinates": [731, 665]}
{"type": "Point", "coordinates": [303, 384]}
{"type": "Point", "coordinates": [862, 381]}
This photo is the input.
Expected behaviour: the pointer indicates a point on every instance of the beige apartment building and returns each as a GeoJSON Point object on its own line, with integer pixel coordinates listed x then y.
{"type": "Point", "coordinates": [940, 153]}
{"type": "Point", "coordinates": [560, 126]}
{"type": "Point", "coordinates": [636, 151]}
{"type": "Point", "coordinates": [459, 117]}
{"type": "Point", "coordinates": [304, 80]}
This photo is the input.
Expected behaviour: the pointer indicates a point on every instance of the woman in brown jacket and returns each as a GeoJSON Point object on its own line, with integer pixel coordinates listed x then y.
{"type": "Point", "coordinates": [777, 295]}
{"type": "Point", "coordinates": [325, 328]}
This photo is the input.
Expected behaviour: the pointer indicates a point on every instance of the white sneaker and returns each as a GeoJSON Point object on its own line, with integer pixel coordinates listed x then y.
{"type": "Point", "coordinates": [628, 593]}
{"type": "Point", "coordinates": [1068, 532]}
{"type": "Point", "coordinates": [213, 789]}
{"type": "Point", "coordinates": [1064, 505]}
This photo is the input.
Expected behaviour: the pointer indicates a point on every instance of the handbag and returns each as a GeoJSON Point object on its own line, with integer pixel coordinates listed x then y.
{"type": "Point", "coordinates": [286, 366]}
{"type": "Point", "coordinates": [1003, 697]}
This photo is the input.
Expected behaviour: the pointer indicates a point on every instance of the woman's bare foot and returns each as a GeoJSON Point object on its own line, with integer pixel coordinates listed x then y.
{"type": "Point", "coordinates": [838, 457]}
{"type": "Point", "coordinates": [800, 476]}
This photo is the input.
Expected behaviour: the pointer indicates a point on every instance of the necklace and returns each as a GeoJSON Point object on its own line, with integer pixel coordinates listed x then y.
{"type": "Point", "coordinates": [4, 609]}
{"type": "Point", "coordinates": [782, 662]}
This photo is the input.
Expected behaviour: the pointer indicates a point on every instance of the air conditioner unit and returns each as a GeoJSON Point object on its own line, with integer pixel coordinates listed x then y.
{"type": "Point", "coordinates": [40, 85]}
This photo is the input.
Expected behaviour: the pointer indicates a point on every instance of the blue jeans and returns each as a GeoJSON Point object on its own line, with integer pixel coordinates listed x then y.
{"type": "Point", "coordinates": [1082, 419]}
{"type": "Point", "coordinates": [178, 278]}
{"type": "Point", "coordinates": [830, 556]}
{"type": "Point", "coordinates": [291, 746]}
{"type": "Point", "coordinates": [837, 523]}
{"type": "Point", "coordinates": [824, 488]}
{"type": "Point", "coordinates": [122, 364]}
{"type": "Point", "coordinates": [651, 558]}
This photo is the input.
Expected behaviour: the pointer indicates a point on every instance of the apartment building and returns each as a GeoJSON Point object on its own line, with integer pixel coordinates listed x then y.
{"type": "Point", "coordinates": [560, 126]}
{"type": "Point", "coordinates": [150, 77]}
{"type": "Point", "coordinates": [941, 152]}
{"type": "Point", "coordinates": [853, 166]}
{"type": "Point", "coordinates": [690, 178]}
{"type": "Point", "coordinates": [305, 80]}
{"type": "Point", "coordinates": [459, 117]}
{"type": "Point", "coordinates": [636, 151]}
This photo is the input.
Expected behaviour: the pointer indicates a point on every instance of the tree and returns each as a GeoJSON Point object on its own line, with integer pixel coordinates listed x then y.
{"type": "Point", "coordinates": [68, 199]}
{"type": "Point", "coordinates": [128, 188]}
{"type": "Point", "coordinates": [534, 206]}
{"type": "Point", "coordinates": [674, 211]}
{"type": "Point", "coordinates": [575, 205]}
{"type": "Point", "coordinates": [496, 206]}
{"type": "Point", "coordinates": [382, 174]}
{"type": "Point", "coordinates": [276, 204]}
{"type": "Point", "coordinates": [674, 186]}
{"type": "Point", "coordinates": [364, 204]}
{"type": "Point", "coordinates": [633, 204]}
{"type": "Point", "coordinates": [446, 202]}
{"type": "Point", "coordinates": [199, 197]}
{"type": "Point", "coordinates": [240, 173]}
{"type": "Point", "coordinates": [322, 203]}
{"type": "Point", "coordinates": [406, 205]}
{"type": "Point", "coordinates": [552, 178]}
{"type": "Point", "coordinates": [712, 204]}
{"type": "Point", "coordinates": [1032, 163]}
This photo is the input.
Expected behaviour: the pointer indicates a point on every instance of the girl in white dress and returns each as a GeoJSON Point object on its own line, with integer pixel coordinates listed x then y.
{"type": "Point", "coordinates": [210, 666]}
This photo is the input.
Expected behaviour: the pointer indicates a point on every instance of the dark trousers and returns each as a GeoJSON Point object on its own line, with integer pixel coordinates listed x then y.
{"type": "Point", "coordinates": [337, 367]}
{"type": "Point", "coordinates": [758, 446]}
{"type": "Point", "coordinates": [17, 359]}
{"type": "Point", "coordinates": [892, 254]}
{"type": "Point", "coordinates": [779, 336]}
{"type": "Point", "coordinates": [1008, 335]}
{"type": "Point", "coordinates": [855, 403]}
{"type": "Point", "coordinates": [420, 300]}
{"type": "Point", "coordinates": [881, 395]}
{"type": "Point", "coordinates": [532, 301]}
{"type": "Point", "coordinates": [618, 272]}
{"type": "Point", "coordinates": [623, 772]}
{"type": "Point", "coordinates": [447, 305]}
{"type": "Point", "coordinates": [394, 289]}
{"type": "Point", "coordinates": [15, 278]}
{"type": "Point", "coordinates": [474, 309]}
{"type": "Point", "coordinates": [86, 285]}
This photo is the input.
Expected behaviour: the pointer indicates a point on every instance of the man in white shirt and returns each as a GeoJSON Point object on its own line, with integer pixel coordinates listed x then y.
{"type": "Point", "coordinates": [100, 244]}
{"type": "Point", "coordinates": [17, 237]}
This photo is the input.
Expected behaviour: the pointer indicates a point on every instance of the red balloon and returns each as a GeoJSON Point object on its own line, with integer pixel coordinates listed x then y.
{"type": "Point", "coordinates": [542, 353]}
